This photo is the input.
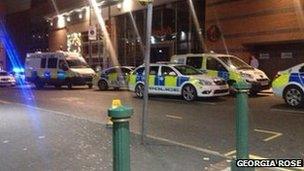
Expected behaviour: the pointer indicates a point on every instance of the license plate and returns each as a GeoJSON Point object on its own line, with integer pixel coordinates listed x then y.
{"type": "Point", "coordinates": [264, 83]}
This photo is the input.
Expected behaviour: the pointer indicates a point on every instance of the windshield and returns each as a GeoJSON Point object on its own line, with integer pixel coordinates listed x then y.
{"type": "Point", "coordinates": [235, 63]}
{"type": "Point", "coordinates": [76, 63]}
{"type": "Point", "coordinates": [3, 74]}
{"type": "Point", "coordinates": [187, 70]}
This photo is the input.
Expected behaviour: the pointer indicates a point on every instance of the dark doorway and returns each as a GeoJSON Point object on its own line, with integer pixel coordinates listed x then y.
{"type": "Point", "coordinates": [160, 54]}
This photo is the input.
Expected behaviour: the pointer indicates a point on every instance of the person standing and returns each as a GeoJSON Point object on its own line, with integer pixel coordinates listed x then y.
{"type": "Point", "coordinates": [254, 62]}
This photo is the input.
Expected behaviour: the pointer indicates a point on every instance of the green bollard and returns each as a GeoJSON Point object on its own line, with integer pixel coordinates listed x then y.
{"type": "Point", "coordinates": [120, 115]}
{"type": "Point", "coordinates": [241, 124]}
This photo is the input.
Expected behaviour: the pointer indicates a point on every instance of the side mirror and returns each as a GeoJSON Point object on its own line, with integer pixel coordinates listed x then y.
{"type": "Point", "coordinates": [301, 70]}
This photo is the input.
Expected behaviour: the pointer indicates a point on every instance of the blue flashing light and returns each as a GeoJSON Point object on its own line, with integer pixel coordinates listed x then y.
{"type": "Point", "coordinates": [9, 47]}
{"type": "Point", "coordinates": [18, 70]}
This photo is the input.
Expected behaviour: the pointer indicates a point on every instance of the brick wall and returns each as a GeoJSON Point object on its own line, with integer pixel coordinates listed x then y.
{"type": "Point", "coordinates": [253, 22]}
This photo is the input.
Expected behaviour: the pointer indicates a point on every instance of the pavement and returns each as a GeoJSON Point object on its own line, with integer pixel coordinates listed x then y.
{"type": "Point", "coordinates": [35, 139]}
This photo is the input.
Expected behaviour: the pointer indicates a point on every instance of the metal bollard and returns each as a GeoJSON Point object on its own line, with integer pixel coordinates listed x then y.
{"type": "Point", "coordinates": [120, 115]}
{"type": "Point", "coordinates": [241, 124]}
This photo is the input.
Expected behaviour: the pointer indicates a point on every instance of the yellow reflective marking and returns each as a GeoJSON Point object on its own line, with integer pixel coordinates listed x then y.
{"type": "Point", "coordinates": [113, 76]}
{"type": "Point", "coordinates": [212, 73]}
{"type": "Point", "coordinates": [170, 81]}
{"type": "Point", "coordinates": [281, 81]}
{"type": "Point", "coordinates": [151, 80]}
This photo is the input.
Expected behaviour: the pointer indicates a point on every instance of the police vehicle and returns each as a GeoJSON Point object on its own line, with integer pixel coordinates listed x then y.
{"type": "Point", "coordinates": [228, 67]}
{"type": "Point", "coordinates": [58, 69]}
{"type": "Point", "coordinates": [177, 79]}
{"type": "Point", "coordinates": [289, 84]}
{"type": "Point", "coordinates": [6, 79]}
{"type": "Point", "coordinates": [114, 77]}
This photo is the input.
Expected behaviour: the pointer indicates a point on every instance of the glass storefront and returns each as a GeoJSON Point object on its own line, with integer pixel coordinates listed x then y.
{"type": "Point", "coordinates": [174, 31]}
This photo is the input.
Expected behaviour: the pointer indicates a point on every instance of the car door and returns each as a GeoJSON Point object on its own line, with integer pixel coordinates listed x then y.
{"type": "Point", "coordinates": [168, 80]}
{"type": "Point", "coordinates": [112, 77]}
{"type": "Point", "coordinates": [50, 73]}
{"type": "Point", "coordinates": [124, 77]}
{"type": "Point", "coordinates": [154, 87]}
{"type": "Point", "coordinates": [216, 69]}
{"type": "Point", "coordinates": [62, 70]}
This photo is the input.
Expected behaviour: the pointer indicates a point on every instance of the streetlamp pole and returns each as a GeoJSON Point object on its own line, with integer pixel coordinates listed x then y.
{"type": "Point", "coordinates": [147, 69]}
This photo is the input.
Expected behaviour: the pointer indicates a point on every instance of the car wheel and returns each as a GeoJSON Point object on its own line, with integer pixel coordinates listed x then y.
{"type": "Point", "coordinates": [139, 90]}
{"type": "Point", "coordinates": [253, 93]}
{"type": "Point", "coordinates": [103, 85]}
{"type": "Point", "coordinates": [189, 93]}
{"type": "Point", "coordinates": [294, 96]}
{"type": "Point", "coordinates": [90, 86]}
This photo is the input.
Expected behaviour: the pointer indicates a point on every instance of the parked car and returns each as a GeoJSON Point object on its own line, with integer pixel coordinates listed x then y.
{"type": "Point", "coordinates": [289, 84]}
{"type": "Point", "coordinates": [19, 76]}
{"type": "Point", "coordinates": [6, 79]}
{"type": "Point", "coordinates": [177, 79]}
{"type": "Point", "coordinates": [229, 67]}
{"type": "Point", "coordinates": [114, 77]}
{"type": "Point", "coordinates": [58, 69]}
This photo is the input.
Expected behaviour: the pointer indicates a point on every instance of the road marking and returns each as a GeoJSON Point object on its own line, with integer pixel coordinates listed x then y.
{"type": "Point", "coordinates": [230, 153]}
{"type": "Point", "coordinates": [186, 145]}
{"type": "Point", "coordinates": [174, 117]}
{"type": "Point", "coordinates": [5, 102]}
{"type": "Point", "coordinates": [275, 134]}
{"type": "Point", "coordinates": [288, 111]}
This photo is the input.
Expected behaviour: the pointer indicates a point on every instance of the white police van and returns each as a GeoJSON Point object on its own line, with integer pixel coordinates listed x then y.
{"type": "Point", "coordinates": [58, 69]}
{"type": "Point", "coordinates": [229, 67]}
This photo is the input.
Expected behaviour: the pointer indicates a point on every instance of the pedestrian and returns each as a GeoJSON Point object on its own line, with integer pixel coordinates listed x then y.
{"type": "Point", "coordinates": [254, 62]}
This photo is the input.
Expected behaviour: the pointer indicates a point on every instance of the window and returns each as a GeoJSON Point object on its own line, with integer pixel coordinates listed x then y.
{"type": "Point", "coordinates": [195, 62]}
{"type": "Point", "coordinates": [154, 70]}
{"type": "Point", "coordinates": [139, 71]}
{"type": "Point", "coordinates": [62, 65]}
{"type": "Point", "coordinates": [43, 62]}
{"type": "Point", "coordinates": [125, 70]}
{"type": "Point", "coordinates": [213, 64]}
{"type": "Point", "coordinates": [167, 71]}
{"type": "Point", "coordinates": [52, 63]}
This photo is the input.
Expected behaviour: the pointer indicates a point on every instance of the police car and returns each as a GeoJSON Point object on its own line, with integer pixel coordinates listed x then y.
{"type": "Point", "coordinates": [177, 79]}
{"type": "Point", "coordinates": [6, 79]}
{"type": "Point", "coordinates": [114, 77]}
{"type": "Point", "coordinates": [289, 84]}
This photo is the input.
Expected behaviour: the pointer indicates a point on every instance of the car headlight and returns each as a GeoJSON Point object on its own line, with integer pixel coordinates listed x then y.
{"type": "Point", "coordinates": [205, 82]}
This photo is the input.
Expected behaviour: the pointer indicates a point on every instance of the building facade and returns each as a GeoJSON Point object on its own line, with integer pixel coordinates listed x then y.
{"type": "Point", "coordinates": [271, 30]}
{"type": "Point", "coordinates": [176, 29]}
